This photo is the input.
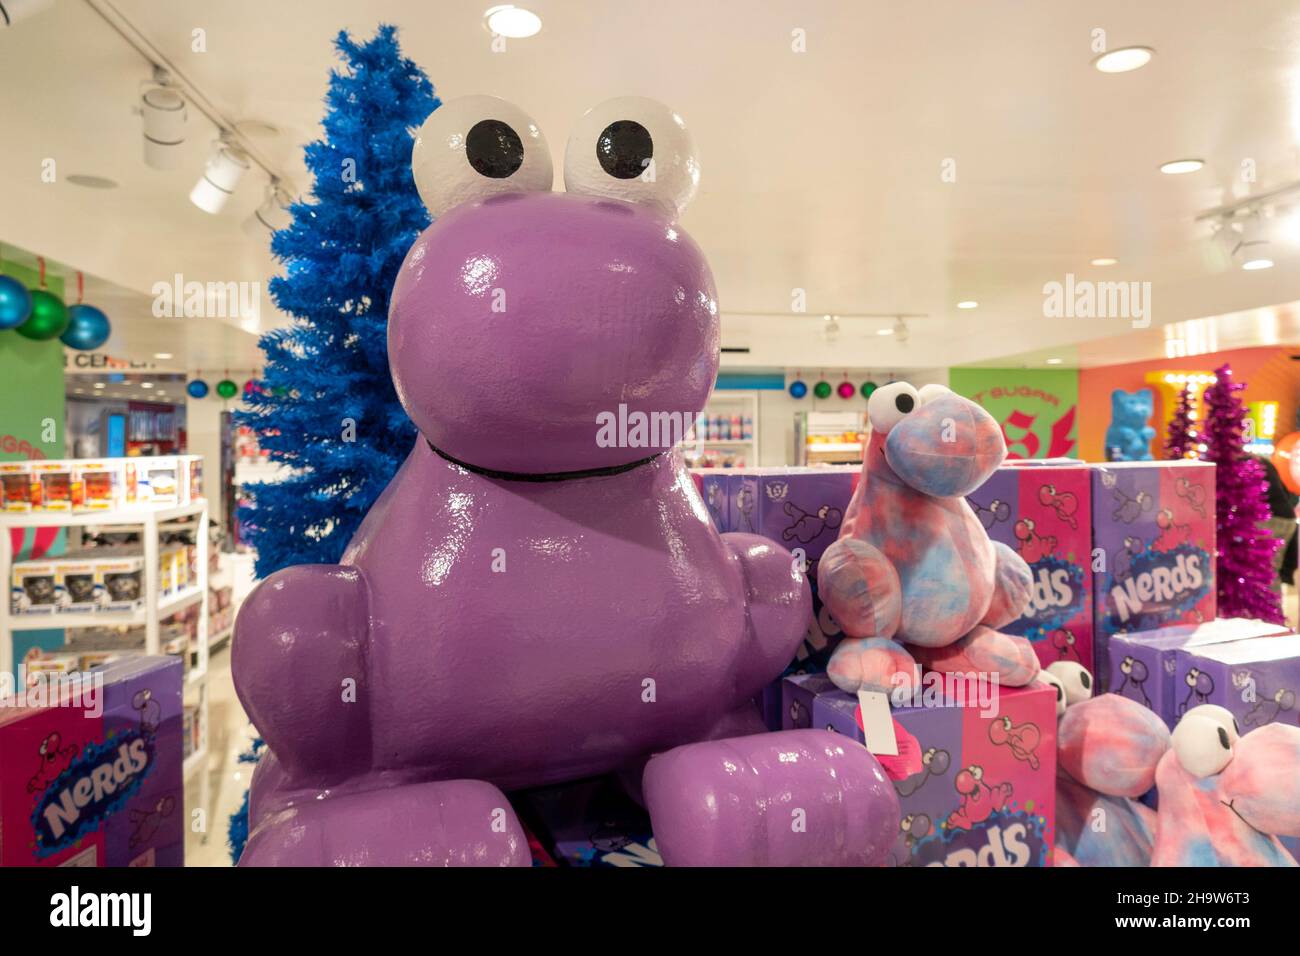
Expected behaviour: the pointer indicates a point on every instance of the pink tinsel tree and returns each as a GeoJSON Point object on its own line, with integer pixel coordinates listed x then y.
{"type": "Point", "coordinates": [1182, 436]}
{"type": "Point", "coordinates": [1244, 559]}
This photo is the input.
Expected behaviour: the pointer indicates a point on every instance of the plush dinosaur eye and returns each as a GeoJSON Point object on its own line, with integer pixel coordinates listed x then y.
{"type": "Point", "coordinates": [475, 147]}
{"type": "Point", "coordinates": [1047, 677]}
{"type": "Point", "coordinates": [889, 403]}
{"type": "Point", "coordinates": [1074, 678]}
{"type": "Point", "coordinates": [634, 149]}
{"type": "Point", "coordinates": [929, 393]}
{"type": "Point", "coordinates": [1204, 740]}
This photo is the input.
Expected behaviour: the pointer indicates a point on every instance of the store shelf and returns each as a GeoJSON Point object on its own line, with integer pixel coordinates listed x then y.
{"type": "Point", "coordinates": [194, 762]}
{"type": "Point", "coordinates": [168, 606]}
{"type": "Point", "coordinates": [834, 447]}
{"type": "Point", "coordinates": [221, 637]}
{"type": "Point", "coordinates": [123, 516]}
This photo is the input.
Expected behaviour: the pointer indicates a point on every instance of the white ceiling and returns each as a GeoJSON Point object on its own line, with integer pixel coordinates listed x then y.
{"type": "Point", "coordinates": [821, 170]}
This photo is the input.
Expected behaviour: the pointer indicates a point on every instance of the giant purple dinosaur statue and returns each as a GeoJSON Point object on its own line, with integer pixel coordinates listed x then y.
{"type": "Point", "coordinates": [529, 602]}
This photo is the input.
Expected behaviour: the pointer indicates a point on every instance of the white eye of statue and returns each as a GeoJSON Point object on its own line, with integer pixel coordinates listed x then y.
{"type": "Point", "coordinates": [889, 404]}
{"type": "Point", "coordinates": [1203, 741]}
{"type": "Point", "coordinates": [634, 149]}
{"type": "Point", "coordinates": [475, 147]}
{"type": "Point", "coordinates": [1074, 678]}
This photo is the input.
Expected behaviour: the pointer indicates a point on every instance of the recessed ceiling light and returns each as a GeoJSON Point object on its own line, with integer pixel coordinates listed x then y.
{"type": "Point", "coordinates": [1254, 265]}
{"type": "Point", "coordinates": [146, 384]}
{"type": "Point", "coordinates": [968, 304]}
{"type": "Point", "coordinates": [1180, 166]}
{"type": "Point", "coordinates": [80, 391]}
{"type": "Point", "coordinates": [1055, 361]}
{"type": "Point", "coordinates": [514, 23]}
{"type": "Point", "coordinates": [162, 355]}
{"type": "Point", "coordinates": [1104, 261]}
{"type": "Point", "coordinates": [1124, 60]}
{"type": "Point", "coordinates": [101, 385]}
{"type": "Point", "coordinates": [91, 182]}
{"type": "Point", "coordinates": [884, 331]}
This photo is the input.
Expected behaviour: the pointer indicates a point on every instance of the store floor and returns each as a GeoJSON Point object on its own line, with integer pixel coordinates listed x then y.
{"type": "Point", "coordinates": [229, 733]}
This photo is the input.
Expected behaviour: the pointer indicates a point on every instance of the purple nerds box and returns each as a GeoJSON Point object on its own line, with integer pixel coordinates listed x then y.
{"type": "Point", "coordinates": [1258, 679]}
{"type": "Point", "coordinates": [1153, 547]}
{"type": "Point", "coordinates": [1143, 664]}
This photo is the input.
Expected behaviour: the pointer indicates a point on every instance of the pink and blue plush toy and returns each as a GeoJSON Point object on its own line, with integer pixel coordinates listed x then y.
{"type": "Point", "coordinates": [1225, 798]}
{"type": "Point", "coordinates": [533, 600]}
{"type": "Point", "coordinates": [914, 577]}
{"type": "Point", "coordinates": [1107, 751]}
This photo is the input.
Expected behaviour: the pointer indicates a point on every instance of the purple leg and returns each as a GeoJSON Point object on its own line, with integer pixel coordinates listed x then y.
{"type": "Point", "coordinates": [298, 660]}
{"type": "Point", "coordinates": [447, 823]}
{"type": "Point", "coordinates": [778, 602]}
{"type": "Point", "coordinates": [793, 798]}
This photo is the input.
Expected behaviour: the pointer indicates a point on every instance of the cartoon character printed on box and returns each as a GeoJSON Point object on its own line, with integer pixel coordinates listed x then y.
{"type": "Point", "coordinates": [147, 820]}
{"type": "Point", "coordinates": [1267, 708]}
{"type": "Point", "coordinates": [914, 577]}
{"type": "Point", "coordinates": [54, 759]}
{"type": "Point", "coordinates": [1199, 688]}
{"type": "Point", "coordinates": [990, 515]}
{"type": "Point", "coordinates": [1128, 436]}
{"type": "Point", "coordinates": [1065, 504]}
{"type": "Point", "coordinates": [1021, 739]}
{"type": "Point", "coordinates": [806, 528]}
{"type": "Point", "coordinates": [591, 531]}
{"type": "Point", "coordinates": [1133, 685]}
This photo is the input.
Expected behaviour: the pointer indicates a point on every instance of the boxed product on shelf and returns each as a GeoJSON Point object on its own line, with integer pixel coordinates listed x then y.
{"type": "Point", "coordinates": [193, 476]}
{"type": "Point", "coordinates": [1257, 679]}
{"type": "Point", "coordinates": [49, 662]}
{"type": "Point", "coordinates": [107, 786]}
{"type": "Point", "coordinates": [122, 576]}
{"type": "Point", "coordinates": [98, 484]}
{"type": "Point", "coordinates": [155, 481]}
{"type": "Point", "coordinates": [15, 486]}
{"type": "Point", "coordinates": [590, 823]}
{"type": "Point", "coordinates": [1042, 511]}
{"type": "Point", "coordinates": [1143, 664]}
{"type": "Point", "coordinates": [78, 582]}
{"type": "Point", "coordinates": [51, 486]}
{"type": "Point", "coordinates": [1153, 532]}
{"type": "Point", "coordinates": [173, 571]}
{"type": "Point", "coordinates": [34, 587]}
{"type": "Point", "coordinates": [986, 791]}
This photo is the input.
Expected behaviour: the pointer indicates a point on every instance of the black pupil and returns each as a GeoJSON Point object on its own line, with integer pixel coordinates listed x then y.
{"type": "Point", "coordinates": [1223, 739]}
{"type": "Point", "coordinates": [904, 403]}
{"type": "Point", "coordinates": [494, 149]}
{"type": "Point", "coordinates": [1085, 680]}
{"type": "Point", "coordinates": [624, 149]}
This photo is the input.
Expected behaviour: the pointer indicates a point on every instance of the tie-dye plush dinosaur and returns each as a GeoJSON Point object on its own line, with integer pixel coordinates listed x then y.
{"type": "Point", "coordinates": [913, 564]}
{"type": "Point", "coordinates": [1107, 751]}
{"type": "Point", "coordinates": [1224, 797]}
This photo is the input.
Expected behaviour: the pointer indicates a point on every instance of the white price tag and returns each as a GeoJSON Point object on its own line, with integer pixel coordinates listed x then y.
{"type": "Point", "coordinates": [877, 723]}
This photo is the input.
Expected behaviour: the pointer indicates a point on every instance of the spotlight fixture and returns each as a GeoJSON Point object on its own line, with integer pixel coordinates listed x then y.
{"type": "Point", "coordinates": [901, 332]}
{"type": "Point", "coordinates": [226, 167]}
{"type": "Point", "coordinates": [1124, 60]}
{"type": "Point", "coordinates": [830, 328]}
{"type": "Point", "coordinates": [1179, 166]}
{"type": "Point", "coordinates": [511, 22]}
{"type": "Point", "coordinates": [163, 108]}
{"type": "Point", "coordinates": [272, 216]}
{"type": "Point", "coordinates": [1249, 243]}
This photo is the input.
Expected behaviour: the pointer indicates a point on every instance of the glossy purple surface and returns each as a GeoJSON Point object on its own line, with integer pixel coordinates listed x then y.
{"type": "Point", "coordinates": [484, 632]}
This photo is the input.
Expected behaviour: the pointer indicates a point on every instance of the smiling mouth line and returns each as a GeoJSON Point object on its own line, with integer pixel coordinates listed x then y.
{"type": "Point", "coordinates": [1228, 804]}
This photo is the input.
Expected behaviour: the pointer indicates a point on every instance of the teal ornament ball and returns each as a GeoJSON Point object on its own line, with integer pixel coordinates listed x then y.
{"type": "Point", "coordinates": [88, 328]}
{"type": "Point", "coordinates": [15, 303]}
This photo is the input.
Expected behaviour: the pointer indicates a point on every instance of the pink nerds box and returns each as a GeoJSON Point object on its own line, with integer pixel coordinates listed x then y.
{"type": "Point", "coordinates": [986, 793]}
{"type": "Point", "coordinates": [1154, 524]}
{"type": "Point", "coordinates": [1042, 510]}
{"type": "Point", "coordinates": [86, 784]}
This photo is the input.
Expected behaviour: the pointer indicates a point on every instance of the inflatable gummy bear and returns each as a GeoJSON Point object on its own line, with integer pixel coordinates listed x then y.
{"type": "Point", "coordinates": [538, 597]}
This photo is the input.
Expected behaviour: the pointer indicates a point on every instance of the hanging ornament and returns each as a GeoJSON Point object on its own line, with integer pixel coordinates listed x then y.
{"type": "Point", "coordinates": [822, 389]}
{"type": "Point", "coordinates": [251, 388]}
{"type": "Point", "coordinates": [798, 388]}
{"type": "Point", "coordinates": [227, 389]}
{"type": "Point", "coordinates": [868, 388]}
{"type": "Point", "coordinates": [49, 315]}
{"type": "Point", "coordinates": [846, 389]}
{"type": "Point", "coordinates": [197, 389]}
{"type": "Point", "coordinates": [280, 391]}
{"type": "Point", "coordinates": [88, 327]}
{"type": "Point", "coordinates": [15, 303]}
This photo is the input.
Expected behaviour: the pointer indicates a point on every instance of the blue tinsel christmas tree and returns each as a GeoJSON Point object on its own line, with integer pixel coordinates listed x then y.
{"type": "Point", "coordinates": [327, 408]}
